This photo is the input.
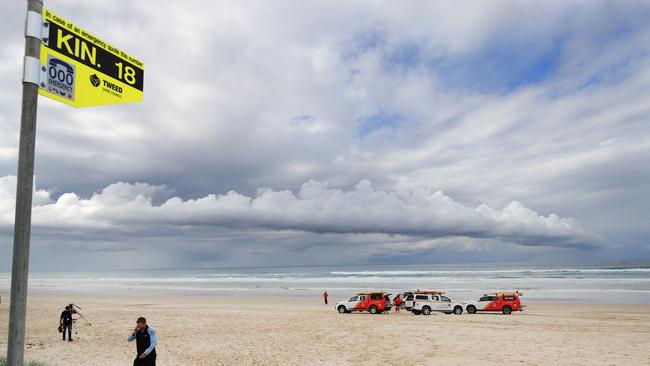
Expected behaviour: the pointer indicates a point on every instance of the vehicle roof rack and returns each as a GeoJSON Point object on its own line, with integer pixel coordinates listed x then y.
{"type": "Point", "coordinates": [507, 293]}
{"type": "Point", "coordinates": [430, 292]}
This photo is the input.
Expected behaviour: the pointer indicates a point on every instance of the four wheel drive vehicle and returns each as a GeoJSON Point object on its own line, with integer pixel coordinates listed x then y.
{"type": "Point", "coordinates": [505, 302]}
{"type": "Point", "coordinates": [372, 302]}
{"type": "Point", "coordinates": [409, 297]}
{"type": "Point", "coordinates": [426, 303]}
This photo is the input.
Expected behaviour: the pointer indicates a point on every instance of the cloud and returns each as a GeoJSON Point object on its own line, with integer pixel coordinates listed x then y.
{"type": "Point", "coordinates": [315, 208]}
{"type": "Point", "coordinates": [542, 103]}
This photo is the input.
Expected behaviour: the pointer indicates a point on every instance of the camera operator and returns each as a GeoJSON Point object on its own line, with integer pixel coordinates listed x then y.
{"type": "Point", "coordinates": [65, 322]}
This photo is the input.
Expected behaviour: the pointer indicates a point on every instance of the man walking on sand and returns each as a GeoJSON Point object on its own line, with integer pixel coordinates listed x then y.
{"type": "Point", "coordinates": [65, 322]}
{"type": "Point", "coordinates": [325, 297]}
{"type": "Point", "coordinates": [145, 341]}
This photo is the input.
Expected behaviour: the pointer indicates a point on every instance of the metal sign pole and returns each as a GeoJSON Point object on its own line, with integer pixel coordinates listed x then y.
{"type": "Point", "coordinates": [24, 188]}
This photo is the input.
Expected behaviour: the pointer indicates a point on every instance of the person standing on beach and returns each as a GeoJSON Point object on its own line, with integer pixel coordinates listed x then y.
{"type": "Point", "coordinates": [325, 295]}
{"type": "Point", "coordinates": [145, 342]}
{"type": "Point", "coordinates": [397, 302]}
{"type": "Point", "coordinates": [65, 322]}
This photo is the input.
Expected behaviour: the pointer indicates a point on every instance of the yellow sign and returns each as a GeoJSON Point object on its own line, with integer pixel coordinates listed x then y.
{"type": "Point", "coordinates": [83, 71]}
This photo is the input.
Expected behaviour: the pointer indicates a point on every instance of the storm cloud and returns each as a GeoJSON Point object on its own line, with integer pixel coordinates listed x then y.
{"type": "Point", "coordinates": [316, 208]}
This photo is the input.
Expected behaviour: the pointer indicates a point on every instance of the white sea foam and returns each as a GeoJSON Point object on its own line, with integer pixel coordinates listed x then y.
{"type": "Point", "coordinates": [586, 283]}
{"type": "Point", "coordinates": [494, 271]}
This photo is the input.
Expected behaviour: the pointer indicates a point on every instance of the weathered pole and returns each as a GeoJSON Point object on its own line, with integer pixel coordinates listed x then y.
{"type": "Point", "coordinates": [23, 220]}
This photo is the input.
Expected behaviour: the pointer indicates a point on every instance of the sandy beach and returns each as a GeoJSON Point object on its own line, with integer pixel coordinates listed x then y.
{"type": "Point", "coordinates": [300, 331]}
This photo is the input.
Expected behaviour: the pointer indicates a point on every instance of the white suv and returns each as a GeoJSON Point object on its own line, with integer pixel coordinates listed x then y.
{"type": "Point", "coordinates": [426, 303]}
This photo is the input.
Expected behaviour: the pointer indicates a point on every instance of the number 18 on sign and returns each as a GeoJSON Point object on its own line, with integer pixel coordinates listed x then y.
{"type": "Point", "coordinates": [82, 70]}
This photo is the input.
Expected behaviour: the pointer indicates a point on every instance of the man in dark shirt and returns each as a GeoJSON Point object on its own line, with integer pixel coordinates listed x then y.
{"type": "Point", "coordinates": [145, 341]}
{"type": "Point", "coordinates": [66, 322]}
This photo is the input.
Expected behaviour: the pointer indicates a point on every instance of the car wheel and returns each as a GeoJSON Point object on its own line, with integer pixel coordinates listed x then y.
{"type": "Point", "coordinates": [373, 310]}
{"type": "Point", "coordinates": [458, 310]}
{"type": "Point", "coordinates": [416, 312]}
{"type": "Point", "coordinates": [426, 310]}
{"type": "Point", "coordinates": [342, 309]}
{"type": "Point", "coordinates": [471, 309]}
{"type": "Point", "coordinates": [506, 310]}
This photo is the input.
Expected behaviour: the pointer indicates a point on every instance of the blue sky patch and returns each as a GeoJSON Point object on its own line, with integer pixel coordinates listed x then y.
{"type": "Point", "coordinates": [378, 121]}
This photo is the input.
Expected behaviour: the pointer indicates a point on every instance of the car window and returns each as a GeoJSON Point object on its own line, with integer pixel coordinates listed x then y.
{"type": "Point", "coordinates": [421, 297]}
{"type": "Point", "coordinates": [362, 297]}
{"type": "Point", "coordinates": [488, 298]}
{"type": "Point", "coordinates": [445, 298]}
{"type": "Point", "coordinates": [409, 298]}
{"type": "Point", "coordinates": [354, 298]}
{"type": "Point", "coordinates": [375, 296]}
{"type": "Point", "coordinates": [434, 298]}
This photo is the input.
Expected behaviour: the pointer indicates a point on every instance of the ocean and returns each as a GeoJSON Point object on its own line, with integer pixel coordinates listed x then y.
{"type": "Point", "coordinates": [617, 282]}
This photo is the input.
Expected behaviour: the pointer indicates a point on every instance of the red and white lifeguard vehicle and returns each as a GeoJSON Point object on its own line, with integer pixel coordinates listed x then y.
{"type": "Point", "coordinates": [374, 302]}
{"type": "Point", "coordinates": [498, 301]}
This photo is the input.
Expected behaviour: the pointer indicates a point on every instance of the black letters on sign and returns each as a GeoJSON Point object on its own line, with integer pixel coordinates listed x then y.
{"type": "Point", "coordinates": [81, 50]}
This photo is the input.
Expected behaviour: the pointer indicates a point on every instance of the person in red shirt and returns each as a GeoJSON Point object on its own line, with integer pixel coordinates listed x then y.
{"type": "Point", "coordinates": [325, 297]}
{"type": "Point", "coordinates": [397, 302]}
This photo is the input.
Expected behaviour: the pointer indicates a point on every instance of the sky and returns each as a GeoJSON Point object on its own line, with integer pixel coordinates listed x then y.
{"type": "Point", "coordinates": [343, 132]}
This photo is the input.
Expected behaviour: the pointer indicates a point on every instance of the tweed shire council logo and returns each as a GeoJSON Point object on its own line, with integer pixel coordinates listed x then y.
{"type": "Point", "coordinates": [95, 80]}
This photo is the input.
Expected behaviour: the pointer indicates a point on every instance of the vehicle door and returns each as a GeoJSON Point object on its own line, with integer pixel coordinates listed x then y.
{"type": "Point", "coordinates": [441, 303]}
{"type": "Point", "coordinates": [388, 303]}
{"type": "Point", "coordinates": [485, 302]}
{"type": "Point", "coordinates": [409, 301]}
{"type": "Point", "coordinates": [420, 301]}
{"type": "Point", "coordinates": [435, 303]}
{"type": "Point", "coordinates": [494, 304]}
{"type": "Point", "coordinates": [352, 302]}
{"type": "Point", "coordinates": [362, 304]}
{"type": "Point", "coordinates": [377, 300]}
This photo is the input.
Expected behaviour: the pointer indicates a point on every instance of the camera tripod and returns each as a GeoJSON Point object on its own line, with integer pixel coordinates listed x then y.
{"type": "Point", "coordinates": [76, 312]}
